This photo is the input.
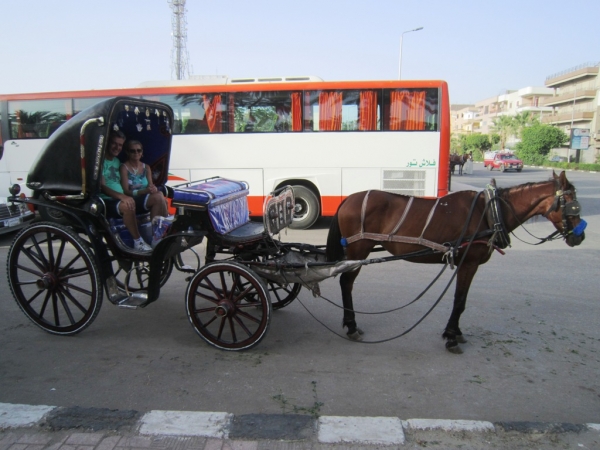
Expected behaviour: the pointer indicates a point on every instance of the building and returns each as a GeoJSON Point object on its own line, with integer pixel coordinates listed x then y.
{"type": "Point", "coordinates": [479, 118]}
{"type": "Point", "coordinates": [575, 103]}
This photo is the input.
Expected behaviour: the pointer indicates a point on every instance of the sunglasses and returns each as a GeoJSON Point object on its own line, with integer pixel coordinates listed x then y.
{"type": "Point", "coordinates": [135, 150]}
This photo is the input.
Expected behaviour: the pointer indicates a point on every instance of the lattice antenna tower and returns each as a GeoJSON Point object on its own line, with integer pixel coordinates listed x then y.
{"type": "Point", "coordinates": [179, 54]}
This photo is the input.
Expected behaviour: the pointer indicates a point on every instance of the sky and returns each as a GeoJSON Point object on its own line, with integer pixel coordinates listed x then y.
{"type": "Point", "coordinates": [481, 48]}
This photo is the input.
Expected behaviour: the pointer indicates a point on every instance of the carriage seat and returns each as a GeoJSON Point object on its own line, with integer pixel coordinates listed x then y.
{"type": "Point", "coordinates": [224, 199]}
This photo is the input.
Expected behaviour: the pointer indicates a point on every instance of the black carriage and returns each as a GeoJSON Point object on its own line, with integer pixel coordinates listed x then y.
{"type": "Point", "coordinates": [60, 267]}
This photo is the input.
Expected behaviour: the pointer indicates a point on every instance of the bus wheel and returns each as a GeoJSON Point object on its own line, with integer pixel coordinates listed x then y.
{"type": "Point", "coordinates": [306, 209]}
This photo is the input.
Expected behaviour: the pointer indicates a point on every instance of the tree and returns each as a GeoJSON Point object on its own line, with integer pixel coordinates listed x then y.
{"type": "Point", "coordinates": [457, 143]}
{"type": "Point", "coordinates": [523, 120]}
{"type": "Point", "coordinates": [536, 142]}
{"type": "Point", "coordinates": [504, 126]}
{"type": "Point", "coordinates": [480, 142]}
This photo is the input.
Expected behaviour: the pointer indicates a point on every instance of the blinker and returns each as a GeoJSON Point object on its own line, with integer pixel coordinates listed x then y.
{"type": "Point", "coordinates": [572, 208]}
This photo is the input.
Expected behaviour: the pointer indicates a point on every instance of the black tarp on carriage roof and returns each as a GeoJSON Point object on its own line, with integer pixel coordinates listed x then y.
{"type": "Point", "coordinates": [57, 168]}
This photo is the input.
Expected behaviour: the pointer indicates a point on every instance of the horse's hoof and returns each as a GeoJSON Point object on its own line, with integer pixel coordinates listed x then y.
{"type": "Point", "coordinates": [461, 339]}
{"type": "Point", "coordinates": [455, 349]}
{"type": "Point", "coordinates": [360, 331]}
{"type": "Point", "coordinates": [356, 336]}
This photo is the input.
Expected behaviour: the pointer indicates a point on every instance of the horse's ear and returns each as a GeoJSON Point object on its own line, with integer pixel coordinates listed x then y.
{"type": "Point", "coordinates": [554, 175]}
{"type": "Point", "coordinates": [563, 180]}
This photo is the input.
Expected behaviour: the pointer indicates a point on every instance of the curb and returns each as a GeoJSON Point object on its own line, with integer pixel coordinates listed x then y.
{"type": "Point", "coordinates": [282, 427]}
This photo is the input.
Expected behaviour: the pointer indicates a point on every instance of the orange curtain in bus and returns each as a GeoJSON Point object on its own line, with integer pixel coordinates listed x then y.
{"type": "Point", "coordinates": [330, 111]}
{"type": "Point", "coordinates": [367, 116]}
{"type": "Point", "coordinates": [407, 110]}
{"type": "Point", "coordinates": [213, 113]}
{"type": "Point", "coordinates": [296, 111]}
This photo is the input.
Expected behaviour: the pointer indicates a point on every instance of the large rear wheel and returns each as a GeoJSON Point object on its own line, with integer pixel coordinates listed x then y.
{"type": "Point", "coordinates": [219, 310]}
{"type": "Point", "coordinates": [54, 278]}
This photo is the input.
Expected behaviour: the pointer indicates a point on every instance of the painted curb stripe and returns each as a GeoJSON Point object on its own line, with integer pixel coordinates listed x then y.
{"type": "Point", "coordinates": [450, 425]}
{"type": "Point", "coordinates": [15, 415]}
{"type": "Point", "coordinates": [362, 430]}
{"type": "Point", "coordinates": [186, 423]}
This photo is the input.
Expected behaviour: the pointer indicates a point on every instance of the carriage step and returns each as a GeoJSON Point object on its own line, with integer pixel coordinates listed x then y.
{"type": "Point", "coordinates": [134, 300]}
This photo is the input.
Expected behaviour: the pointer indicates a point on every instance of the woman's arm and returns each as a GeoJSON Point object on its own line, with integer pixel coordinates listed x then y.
{"type": "Point", "coordinates": [151, 188]}
{"type": "Point", "coordinates": [125, 180]}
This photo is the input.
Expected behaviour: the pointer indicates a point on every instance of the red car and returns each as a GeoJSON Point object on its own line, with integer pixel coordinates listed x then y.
{"type": "Point", "coordinates": [503, 161]}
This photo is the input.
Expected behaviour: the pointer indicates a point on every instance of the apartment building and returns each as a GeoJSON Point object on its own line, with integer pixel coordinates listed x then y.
{"type": "Point", "coordinates": [575, 103]}
{"type": "Point", "coordinates": [479, 118]}
{"type": "Point", "coordinates": [569, 99]}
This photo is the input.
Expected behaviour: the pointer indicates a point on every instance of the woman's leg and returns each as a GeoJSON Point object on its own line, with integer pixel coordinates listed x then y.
{"type": "Point", "coordinates": [157, 205]}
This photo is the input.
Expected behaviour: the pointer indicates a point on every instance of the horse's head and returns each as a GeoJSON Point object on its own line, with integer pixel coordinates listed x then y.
{"type": "Point", "coordinates": [565, 211]}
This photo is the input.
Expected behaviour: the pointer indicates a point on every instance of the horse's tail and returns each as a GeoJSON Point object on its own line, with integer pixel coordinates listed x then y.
{"type": "Point", "coordinates": [334, 250]}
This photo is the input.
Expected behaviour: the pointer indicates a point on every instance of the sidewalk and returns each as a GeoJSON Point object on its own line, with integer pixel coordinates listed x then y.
{"type": "Point", "coordinates": [25, 427]}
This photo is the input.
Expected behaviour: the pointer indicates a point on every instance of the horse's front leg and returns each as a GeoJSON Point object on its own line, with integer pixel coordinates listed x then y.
{"type": "Point", "coordinates": [347, 283]}
{"type": "Point", "coordinates": [452, 333]}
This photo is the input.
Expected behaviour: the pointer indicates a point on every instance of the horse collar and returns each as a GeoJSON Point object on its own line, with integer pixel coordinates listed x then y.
{"type": "Point", "coordinates": [493, 214]}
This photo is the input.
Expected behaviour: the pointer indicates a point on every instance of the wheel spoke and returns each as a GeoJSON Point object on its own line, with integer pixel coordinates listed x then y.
{"type": "Point", "coordinates": [77, 288]}
{"type": "Point", "coordinates": [243, 325]}
{"type": "Point", "coordinates": [31, 271]}
{"type": "Point", "coordinates": [249, 316]}
{"type": "Point", "coordinates": [34, 296]}
{"type": "Point", "coordinates": [35, 259]}
{"type": "Point", "coordinates": [51, 262]}
{"type": "Point", "coordinates": [66, 308]}
{"type": "Point", "coordinates": [232, 328]}
{"type": "Point", "coordinates": [206, 297]}
{"type": "Point", "coordinates": [221, 327]}
{"type": "Point", "coordinates": [68, 266]}
{"type": "Point", "coordinates": [67, 294]}
{"type": "Point", "coordinates": [45, 304]}
{"type": "Point", "coordinates": [36, 244]}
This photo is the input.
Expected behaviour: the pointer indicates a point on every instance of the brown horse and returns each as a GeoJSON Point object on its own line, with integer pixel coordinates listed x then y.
{"type": "Point", "coordinates": [402, 225]}
{"type": "Point", "coordinates": [459, 160]}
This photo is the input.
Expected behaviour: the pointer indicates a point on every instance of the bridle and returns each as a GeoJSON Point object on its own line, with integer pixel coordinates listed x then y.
{"type": "Point", "coordinates": [568, 209]}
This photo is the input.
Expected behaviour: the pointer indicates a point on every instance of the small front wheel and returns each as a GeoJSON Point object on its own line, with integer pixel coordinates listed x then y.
{"type": "Point", "coordinates": [228, 305]}
{"type": "Point", "coordinates": [54, 278]}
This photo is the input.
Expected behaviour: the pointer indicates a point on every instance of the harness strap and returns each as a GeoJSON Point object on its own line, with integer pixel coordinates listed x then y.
{"type": "Point", "coordinates": [494, 216]}
{"type": "Point", "coordinates": [401, 221]}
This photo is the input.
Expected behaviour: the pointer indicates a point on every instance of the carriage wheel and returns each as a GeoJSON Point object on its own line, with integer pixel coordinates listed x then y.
{"type": "Point", "coordinates": [218, 309]}
{"type": "Point", "coordinates": [54, 278]}
{"type": "Point", "coordinates": [133, 276]}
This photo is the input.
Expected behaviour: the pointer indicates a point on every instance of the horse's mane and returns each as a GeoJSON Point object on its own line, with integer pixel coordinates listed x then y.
{"type": "Point", "coordinates": [504, 193]}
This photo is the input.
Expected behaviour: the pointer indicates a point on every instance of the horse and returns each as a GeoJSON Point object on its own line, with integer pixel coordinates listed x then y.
{"type": "Point", "coordinates": [458, 160]}
{"type": "Point", "coordinates": [465, 225]}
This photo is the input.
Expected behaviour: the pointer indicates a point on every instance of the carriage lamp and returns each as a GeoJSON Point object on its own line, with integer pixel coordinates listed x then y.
{"type": "Point", "coordinates": [14, 190]}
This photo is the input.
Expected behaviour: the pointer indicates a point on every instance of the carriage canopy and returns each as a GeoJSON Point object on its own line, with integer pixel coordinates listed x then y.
{"type": "Point", "coordinates": [71, 160]}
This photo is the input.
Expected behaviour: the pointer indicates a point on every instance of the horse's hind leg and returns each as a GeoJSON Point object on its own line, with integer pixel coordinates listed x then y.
{"type": "Point", "coordinates": [347, 283]}
{"type": "Point", "coordinates": [452, 333]}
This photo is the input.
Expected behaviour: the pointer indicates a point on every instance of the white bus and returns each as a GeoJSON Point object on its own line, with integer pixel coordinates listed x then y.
{"type": "Point", "coordinates": [326, 139]}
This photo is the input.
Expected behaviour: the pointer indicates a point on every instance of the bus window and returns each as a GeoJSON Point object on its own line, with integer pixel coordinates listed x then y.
{"type": "Point", "coordinates": [344, 110]}
{"type": "Point", "coordinates": [79, 104]}
{"type": "Point", "coordinates": [264, 112]}
{"type": "Point", "coordinates": [196, 113]}
{"type": "Point", "coordinates": [37, 118]}
{"type": "Point", "coordinates": [411, 109]}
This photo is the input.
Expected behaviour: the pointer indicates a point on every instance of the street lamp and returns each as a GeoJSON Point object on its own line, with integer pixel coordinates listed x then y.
{"type": "Point", "coordinates": [400, 63]}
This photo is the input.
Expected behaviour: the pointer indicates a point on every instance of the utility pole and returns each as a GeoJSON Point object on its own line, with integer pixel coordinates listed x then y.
{"type": "Point", "coordinates": [179, 53]}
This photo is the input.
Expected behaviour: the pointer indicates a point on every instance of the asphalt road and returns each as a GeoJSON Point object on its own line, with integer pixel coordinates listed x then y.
{"type": "Point", "coordinates": [531, 322]}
